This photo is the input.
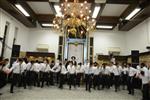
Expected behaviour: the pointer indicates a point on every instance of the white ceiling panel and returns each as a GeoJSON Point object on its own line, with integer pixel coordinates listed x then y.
{"type": "Point", "coordinates": [40, 7]}
{"type": "Point", "coordinates": [113, 9]}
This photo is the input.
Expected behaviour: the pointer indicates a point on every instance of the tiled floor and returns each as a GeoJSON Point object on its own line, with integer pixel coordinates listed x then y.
{"type": "Point", "coordinates": [53, 93]}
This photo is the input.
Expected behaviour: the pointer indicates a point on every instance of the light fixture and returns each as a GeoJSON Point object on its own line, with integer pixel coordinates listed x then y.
{"type": "Point", "coordinates": [47, 25]}
{"type": "Point", "coordinates": [133, 13]}
{"type": "Point", "coordinates": [58, 10]}
{"type": "Point", "coordinates": [96, 11]}
{"type": "Point", "coordinates": [22, 10]}
{"type": "Point", "coordinates": [104, 26]}
{"type": "Point", "coordinates": [74, 19]}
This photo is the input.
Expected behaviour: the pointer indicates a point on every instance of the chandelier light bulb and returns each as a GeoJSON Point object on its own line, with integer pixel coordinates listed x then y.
{"type": "Point", "coordinates": [90, 11]}
{"type": "Point", "coordinates": [85, 1]}
{"type": "Point", "coordinates": [62, 4]}
{"type": "Point", "coordinates": [87, 29]}
{"type": "Point", "coordinates": [66, 0]}
{"type": "Point", "coordinates": [72, 14]}
{"type": "Point", "coordinates": [81, 4]}
{"type": "Point", "coordinates": [88, 17]}
{"type": "Point", "coordinates": [81, 15]}
{"type": "Point", "coordinates": [54, 22]}
{"type": "Point", "coordinates": [93, 20]}
{"type": "Point", "coordinates": [81, 32]}
{"type": "Point", "coordinates": [68, 5]}
{"type": "Point", "coordinates": [86, 8]}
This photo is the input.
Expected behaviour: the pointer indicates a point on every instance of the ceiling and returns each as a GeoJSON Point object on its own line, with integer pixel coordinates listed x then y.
{"type": "Point", "coordinates": [113, 12]}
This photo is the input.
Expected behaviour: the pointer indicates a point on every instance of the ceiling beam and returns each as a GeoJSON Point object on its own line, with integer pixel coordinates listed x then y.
{"type": "Point", "coordinates": [101, 10]}
{"type": "Point", "coordinates": [122, 1]}
{"type": "Point", "coordinates": [28, 9]}
{"type": "Point", "coordinates": [51, 4]}
{"type": "Point", "coordinates": [45, 18]}
{"type": "Point", "coordinates": [12, 10]}
{"type": "Point", "coordinates": [144, 14]}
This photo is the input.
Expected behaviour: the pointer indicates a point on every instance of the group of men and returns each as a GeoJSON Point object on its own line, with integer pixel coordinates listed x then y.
{"type": "Point", "coordinates": [37, 73]}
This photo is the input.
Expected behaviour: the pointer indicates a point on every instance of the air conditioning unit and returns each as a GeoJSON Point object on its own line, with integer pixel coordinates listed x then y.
{"type": "Point", "coordinates": [114, 51]}
{"type": "Point", "coordinates": [42, 47]}
{"type": "Point", "coordinates": [100, 1]}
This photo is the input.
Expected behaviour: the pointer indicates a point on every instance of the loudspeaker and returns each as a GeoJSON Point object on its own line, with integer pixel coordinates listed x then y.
{"type": "Point", "coordinates": [135, 57]}
{"type": "Point", "coordinates": [15, 51]}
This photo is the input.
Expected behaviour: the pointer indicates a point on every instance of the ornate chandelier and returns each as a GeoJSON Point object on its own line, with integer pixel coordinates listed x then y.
{"type": "Point", "coordinates": [74, 19]}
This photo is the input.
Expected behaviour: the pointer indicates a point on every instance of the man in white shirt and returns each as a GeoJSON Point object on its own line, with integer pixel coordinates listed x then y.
{"type": "Point", "coordinates": [144, 75]}
{"type": "Point", "coordinates": [36, 70]}
{"type": "Point", "coordinates": [131, 75]}
{"type": "Point", "coordinates": [29, 73]}
{"type": "Point", "coordinates": [88, 69]}
{"type": "Point", "coordinates": [16, 70]}
{"type": "Point", "coordinates": [79, 73]}
{"type": "Point", "coordinates": [117, 73]}
{"type": "Point", "coordinates": [71, 70]}
{"type": "Point", "coordinates": [96, 77]}
{"type": "Point", "coordinates": [124, 75]}
{"type": "Point", "coordinates": [105, 76]}
{"type": "Point", "coordinates": [23, 73]}
{"type": "Point", "coordinates": [56, 69]}
{"type": "Point", "coordinates": [63, 73]}
{"type": "Point", "coordinates": [45, 73]}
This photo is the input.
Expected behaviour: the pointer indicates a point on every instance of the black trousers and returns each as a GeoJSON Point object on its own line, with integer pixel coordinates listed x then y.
{"type": "Point", "coordinates": [51, 79]}
{"type": "Point", "coordinates": [45, 78]}
{"type": "Point", "coordinates": [111, 80]}
{"type": "Point", "coordinates": [23, 80]}
{"type": "Point", "coordinates": [16, 78]}
{"type": "Point", "coordinates": [130, 85]}
{"type": "Point", "coordinates": [3, 77]}
{"type": "Point", "coordinates": [96, 82]}
{"type": "Point", "coordinates": [88, 82]}
{"type": "Point", "coordinates": [78, 79]}
{"type": "Point", "coordinates": [72, 80]}
{"type": "Point", "coordinates": [145, 92]}
{"type": "Point", "coordinates": [117, 82]}
{"type": "Point", "coordinates": [105, 81]}
{"type": "Point", "coordinates": [29, 78]}
{"type": "Point", "coordinates": [124, 79]}
{"type": "Point", "coordinates": [62, 80]}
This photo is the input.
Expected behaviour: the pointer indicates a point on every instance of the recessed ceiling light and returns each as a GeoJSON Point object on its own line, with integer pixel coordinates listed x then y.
{"type": "Point", "coordinates": [104, 26]}
{"type": "Point", "coordinates": [96, 11]}
{"type": "Point", "coordinates": [133, 13]}
{"type": "Point", "coordinates": [22, 10]}
{"type": "Point", "coordinates": [47, 25]}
